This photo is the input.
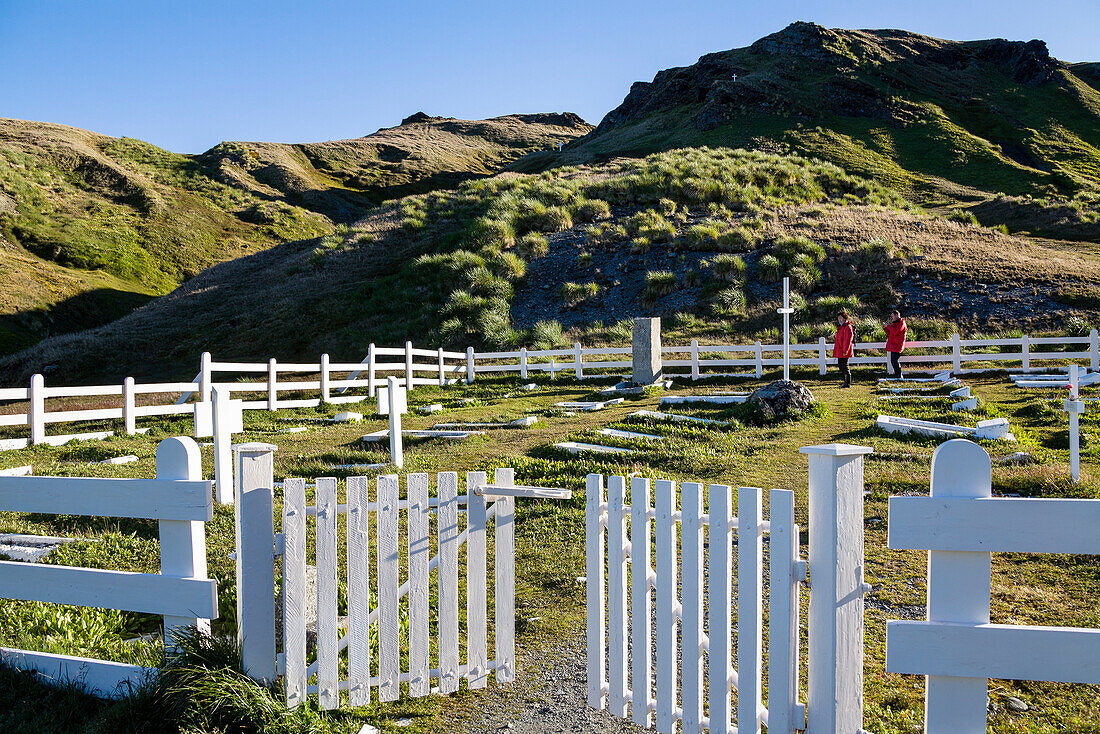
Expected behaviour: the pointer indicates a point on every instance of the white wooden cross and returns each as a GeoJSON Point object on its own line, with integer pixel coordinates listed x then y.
{"type": "Point", "coordinates": [1074, 406]}
{"type": "Point", "coordinates": [394, 408]}
{"type": "Point", "coordinates": [786, 311]}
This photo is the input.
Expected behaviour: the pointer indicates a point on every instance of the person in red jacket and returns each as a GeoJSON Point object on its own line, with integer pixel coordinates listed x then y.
{"type": "Point", "coordinates": [895, 341]}
{"type": "Point", "coordinates": [844, 346]}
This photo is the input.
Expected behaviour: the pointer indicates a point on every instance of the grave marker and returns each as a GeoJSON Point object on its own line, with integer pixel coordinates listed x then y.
{"type": "Point", "coordinates": [647, 367]}
{"type": "Point", "coordinates": [786, 310]}
{"type": "Point", "coordinates": [393, 401]}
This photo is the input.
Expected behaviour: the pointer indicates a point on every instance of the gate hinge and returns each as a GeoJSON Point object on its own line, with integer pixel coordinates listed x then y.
{"type": "Point", "coordinates": [280, 544]}
{"type": "Point", "coordinates": [802, 571]}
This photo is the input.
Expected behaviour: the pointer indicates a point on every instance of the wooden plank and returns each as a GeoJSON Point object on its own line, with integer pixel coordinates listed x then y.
{"type": "Point", "coordinates": [979, 651]}
{"type": "Point", "coordinates": [152, 499]}
{"type": "Point", "coordinates": [294, 589]}
{"type": "Point", "coordinates": [447, 527]}
{"type": "Point", "coordinates": [691, 560]}
{"type": "Point", "coordinates": [150, 593]}
{"type": "Point", "coordinates": [594, 589]}
{"type": "Point", "coordinates": [999, 525]}
{"type": "Point", "coordinates": [641, 624]}
{"type": "Point", "coordinates": [750, 599]}
{"type": "Point", "coordinates": [254, 528]}
{"type": "Point", "coordinates": [328, 633]}
{"type": "Point", "coordinates": [666, 602]}
{"type": "Point", "coordinates": [720, 607]}
{"type": "Point", "coordinates": [783, 604]}
{"type": "Point", "coordinates": [358, 550]}
{"type": "Point", "coordinates": [389, 622]}
{"type": "Point", "coordinates": [504, 568]}
{"type": "Point", "coordinates": [102, 678]}
{"type": "Point", "coordinates": [419, 554]}
{"type": "Point", "coordinates": [617, 618]}
{"type": "Point", "coordinates": [477, 657]}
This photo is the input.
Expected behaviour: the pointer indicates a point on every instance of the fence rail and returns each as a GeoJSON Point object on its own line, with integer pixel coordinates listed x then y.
{"type": "Point", "coordinates": [181, 592]}
{"type": "Point", "coordinates": [290, 384]}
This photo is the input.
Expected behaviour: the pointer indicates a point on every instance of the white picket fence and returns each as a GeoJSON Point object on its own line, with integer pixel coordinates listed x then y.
{"type": "Point", "coordinates": [633, 669]}
{"type": "Point", "coordinates": [957, 648]}
{"type": "Point", "coordinates": [335, 379]}
{"type": "Point", "coordinates": [181, 592]}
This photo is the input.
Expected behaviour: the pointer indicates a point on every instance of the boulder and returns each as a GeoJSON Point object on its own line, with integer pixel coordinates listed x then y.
{"type": "Point", "coordinates": [781, 398]}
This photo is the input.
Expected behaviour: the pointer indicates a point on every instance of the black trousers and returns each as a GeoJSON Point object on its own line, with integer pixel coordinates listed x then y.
{"type": "Point", "coordinates": [895, 360]}
{"type": "Point", "coordinates": [842, 363]}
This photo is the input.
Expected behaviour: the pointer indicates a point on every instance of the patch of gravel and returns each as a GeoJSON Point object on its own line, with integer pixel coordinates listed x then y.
{"type": "Point", "coordinates": [550, 695]}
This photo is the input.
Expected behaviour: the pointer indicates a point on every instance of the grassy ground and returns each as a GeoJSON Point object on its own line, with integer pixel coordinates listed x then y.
{"type": "Point", "coordinates": [549, 602]}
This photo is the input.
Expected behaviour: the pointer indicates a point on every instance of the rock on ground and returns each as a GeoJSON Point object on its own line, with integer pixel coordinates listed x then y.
{"type": "Point", "coordinates": [781, 398]}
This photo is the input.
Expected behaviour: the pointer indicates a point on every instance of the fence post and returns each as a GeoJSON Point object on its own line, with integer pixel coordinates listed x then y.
{"type": "Point", "coordinates": [325, 391]}
{"type": "Point", "coordinates": [223, 440]}
{"type": "Point", "coordinates": [759, 361]}
{"type": "Point", "coordinates": [1094, 350]}
{"type": "Point", "coordinates": [1074, 406]}
{"type": "Point", "coordinates": [958, 591]}
{"type": "Point", "coordinates": [205, 377]}
{"type": "Point", "coordinates": [956, 354]}
{"type": "Point", "coordinates": [836, 577]}
{"type": "Point", "coordinates": [442, 372]}
{"type": "Point", "coordinates": [523, 362]}
{"type": "Point", "coordinates": [578, 360]}
{"type": "Point", "coordinates": [272, 385]}
{"type": "Point", "coordinates": [469, 365]}
{"type": "Point", "coordinates": [129, 419]}
{"type": "Point", "coordinates": [255, 530]}
{"type": "Point", "coordinates": [409, 366]}
{"type": "Point", "coordinates": [37, 417]}
{"type": "Point", "coordinates": [821, 352]}
{"type": "Point", "coordinates": [596, 629]}
{"type": "Point", "coordinates": [1025, 352]}
{"type": "Point", "coordinates": [370, 370]}
{"type": "Point", "coordinates": [695, 359]}
{"type": "Point", "coordinates": [182, 542]}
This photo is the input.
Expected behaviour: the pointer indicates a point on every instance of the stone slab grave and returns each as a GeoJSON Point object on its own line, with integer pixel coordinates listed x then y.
{"type": "Point", "coordinates": [717, 399]}
{"type": "Point", "coordinates": [629, 388]}
{"type": "Point", "coordinates": [574, 447]}
{"type": "Point", "coordinates": [17, 471]}
{"type": "Point", "coordinates": [384, 434]}
{"type": "Point", "coordinates": [293, 429]}
{"type": "Point", "coordinates": [14, 444]}
{"type": "Point", "coordinates": [675, 417]}
{"type": "Point", "coordinates": [29, 548]}
{"type": "Point", "coordinates": [588, 405]}
{"type": "Point", "coordinates": [1054, 380]}
{"type": "Point", "coordinates": [128, 459]}
{"type": "Point", "coordinates": [429, 409]}
{"type": "Point", "coordinates": [992, 429]}
{"type": "Point", "coordinates": [938, 377]}
{"type": "Point", "coordinates": [525, 422]}
{"type": "Point", "coordinates": [966, 400]}
{"type": "Point", "coordinates": [633, 435]}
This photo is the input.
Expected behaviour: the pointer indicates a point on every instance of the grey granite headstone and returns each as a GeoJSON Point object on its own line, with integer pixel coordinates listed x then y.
{"type": "Point", "coordinates": [647, 351]}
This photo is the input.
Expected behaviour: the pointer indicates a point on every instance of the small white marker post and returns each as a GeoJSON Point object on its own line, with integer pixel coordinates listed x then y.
{"type": "Point", "coordinates": [1074, 406]}
{"type": "Point", "coordinates": [786, 311]}
{"type": "Point", "coordinates": [392, 401]}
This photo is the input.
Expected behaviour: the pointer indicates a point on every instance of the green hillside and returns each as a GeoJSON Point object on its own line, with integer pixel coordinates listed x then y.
{"type": "Point", "coordinates": [700, 236]}
{"type": "Point", "coordinates": [996, 123]}
{"type": "Point", "coordinates": [92, 226]}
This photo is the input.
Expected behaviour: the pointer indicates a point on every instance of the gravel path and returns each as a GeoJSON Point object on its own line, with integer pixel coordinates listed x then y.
{"type": "Point", "coordinates": [549, 696]}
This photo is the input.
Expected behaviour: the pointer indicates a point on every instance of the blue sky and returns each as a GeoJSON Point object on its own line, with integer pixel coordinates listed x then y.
{"type": "Point", "coordinates": [187, 75]}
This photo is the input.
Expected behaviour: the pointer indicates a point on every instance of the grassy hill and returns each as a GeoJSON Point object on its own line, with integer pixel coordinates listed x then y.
{"type": "Point", "coordinates": [92, 226]}
{"type": "Point", "coordinates": [700, 236]}
{"type": "Point", "coordinates": [997, 124]}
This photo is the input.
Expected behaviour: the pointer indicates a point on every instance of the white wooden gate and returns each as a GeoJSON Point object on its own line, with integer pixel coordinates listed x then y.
{"type": "Point", "coordinates": [656, 675]}
{"type": "Point", "coordinates": [401, 648]}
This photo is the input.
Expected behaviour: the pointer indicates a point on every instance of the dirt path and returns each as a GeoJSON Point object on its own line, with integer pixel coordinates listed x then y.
{"type": "Point", "coordinates": [549, 696]}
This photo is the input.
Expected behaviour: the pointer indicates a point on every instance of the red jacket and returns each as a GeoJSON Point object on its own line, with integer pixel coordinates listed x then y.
{"type": "Point", "coordinates": [895, 336]}
{"type": "Point", "coordinates": [845, 336]}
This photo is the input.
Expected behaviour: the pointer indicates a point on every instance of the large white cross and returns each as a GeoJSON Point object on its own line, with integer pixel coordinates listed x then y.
{"type": "Point", "coordinates": [1074, 406]}
{"type": "Point", "coordinates": [392, 401]}
{"type": "Point", "coordinates": [786, 311]}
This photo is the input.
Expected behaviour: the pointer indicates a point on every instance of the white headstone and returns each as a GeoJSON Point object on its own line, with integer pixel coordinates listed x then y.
{"type": "Point", "coordinates": [647, 351]}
